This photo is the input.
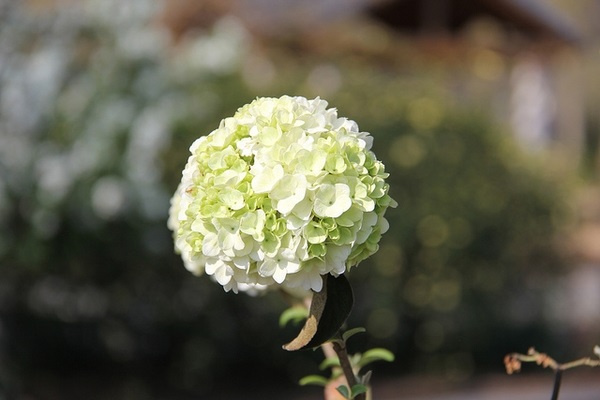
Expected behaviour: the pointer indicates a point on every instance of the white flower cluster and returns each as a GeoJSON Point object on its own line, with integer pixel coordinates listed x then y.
{"type": "Point", "coordinates": [281, 193]}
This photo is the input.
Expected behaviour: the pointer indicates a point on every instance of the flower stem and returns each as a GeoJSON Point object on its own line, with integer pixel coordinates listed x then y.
{"type": "Point", "coordinates": [340, 349]}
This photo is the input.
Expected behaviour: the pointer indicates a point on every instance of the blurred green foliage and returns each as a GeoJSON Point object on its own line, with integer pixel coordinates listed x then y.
{"type": "Point", "coordinates": [473, 243]}
{"type": "Point", "coordinates": [98, 112]}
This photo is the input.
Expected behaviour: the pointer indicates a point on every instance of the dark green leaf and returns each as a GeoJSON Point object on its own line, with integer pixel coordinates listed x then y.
{"type": "Point", "coordinates": [340, 300]}
{"type": "Point", "coordinates": [308, 331]}
{"type": "Point", "coordinates": [358, 389]}
{"type": "Point", "coordinates": [328, 311]}
{"type": "Point", "coordinates": [344, 391]}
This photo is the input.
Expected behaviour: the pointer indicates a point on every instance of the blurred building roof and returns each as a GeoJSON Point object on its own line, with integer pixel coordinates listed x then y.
{"type": "Point", "coordinates": [534, 18]}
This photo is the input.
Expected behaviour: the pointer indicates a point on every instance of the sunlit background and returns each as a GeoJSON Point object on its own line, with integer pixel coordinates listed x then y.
{"type": "Point", "coordinates": [484, 112]}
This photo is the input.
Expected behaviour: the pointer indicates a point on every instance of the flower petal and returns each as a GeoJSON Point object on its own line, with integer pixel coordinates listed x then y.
{"type": "Point", "coordinates": [332, 200]}
{"type": "Point", "coordinates": [267, 178]}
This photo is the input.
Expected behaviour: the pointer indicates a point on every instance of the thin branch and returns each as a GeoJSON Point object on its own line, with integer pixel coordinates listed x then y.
{"type": "Point", "coordinates": [513, 361]}
{"type": "Point", "coordinates": [586, 361]}
{"type": "Point", "coordinates": [340, 348]}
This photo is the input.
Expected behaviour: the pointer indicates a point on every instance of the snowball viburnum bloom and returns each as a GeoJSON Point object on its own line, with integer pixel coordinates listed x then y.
{"type": "Point", "coordinates": [281, 193]}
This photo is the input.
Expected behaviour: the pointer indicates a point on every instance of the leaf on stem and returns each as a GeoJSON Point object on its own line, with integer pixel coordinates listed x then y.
{"type": "Point", "coordinates": [377, 354]}
{"type": "Point", "coordinates": [293, 314]}
{"type": "Point", "coordinates": [311, 324]}
{"type": "Point", "coordinates": [329, 363]}
{"type": "Point", "coordinates": [313, 380]}
{"type": "Point", "coordinates": [351, 332]}
{"type": "Point", "coordinates": [329, 310]}
{"type": "Point", "coordinates": [358, 389]}
{"type": "Point", "coordinates": [366, 378]}
{"type": "Point", "coordinates": [344, 391]}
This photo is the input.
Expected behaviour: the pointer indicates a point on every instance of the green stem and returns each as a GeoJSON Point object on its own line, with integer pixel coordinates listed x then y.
{"type": "Point", "coordinates": [340, 349]}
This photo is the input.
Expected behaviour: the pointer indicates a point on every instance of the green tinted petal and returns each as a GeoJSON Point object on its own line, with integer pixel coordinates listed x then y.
{"type": "Point", "coordinates": [232, 199]}
{"type": "Point", "coordinates": [315, 233]}
{"type": "Point", "coordinates": [335, 164]}
{"type": "Point", "coordinates": [270, 243]}
{"type": "Point", "coordinates": [317, 250]}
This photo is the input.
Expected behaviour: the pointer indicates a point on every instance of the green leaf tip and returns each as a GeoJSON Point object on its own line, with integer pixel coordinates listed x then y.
{"type": "Point", "coordinates": [351, 332]}
{"type": "Point", "coordinates": [329, 363]}
{"type": "Point", "coordinates": [313, 380]}
{"type": "Point", "coordinates": [293, 314]}
{"type": "Point", "coordinates": [377, 354]}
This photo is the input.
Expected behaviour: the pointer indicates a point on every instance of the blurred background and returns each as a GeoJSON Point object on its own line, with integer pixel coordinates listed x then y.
{"type": "Point", "coordinates": [484, 112]}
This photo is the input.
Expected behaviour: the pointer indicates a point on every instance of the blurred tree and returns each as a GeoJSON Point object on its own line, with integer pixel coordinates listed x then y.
{"type": "Point", "coordinates": [97, 111]}
{"type": "Point", "coordinates": [473, 244]}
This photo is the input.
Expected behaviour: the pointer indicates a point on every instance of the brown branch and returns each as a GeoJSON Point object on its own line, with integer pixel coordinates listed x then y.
{"type": "Point", "coordinates": [513, 361]}
{"type": "Point", "coordinates": [340, 348]}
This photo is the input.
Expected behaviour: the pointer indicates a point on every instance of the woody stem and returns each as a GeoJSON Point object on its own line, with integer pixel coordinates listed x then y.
{"type": "Point", "coordinates": [340, 349]}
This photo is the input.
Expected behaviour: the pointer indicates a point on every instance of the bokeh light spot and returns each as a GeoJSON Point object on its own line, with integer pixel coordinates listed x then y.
{"type": "Point", "coordinates": [407, 151]}
{"type": "Point", "coordinates": [429, 336]}
{"type": "Point", "coordinates": [488, 65]}
{"type": "Point", "coordinates": [417, 290]}
{"type": "Point", "coordinates": [382, 323]}
{"type": "Point", "coordinates": [446, 294]}
{"type": "Point", "coordinates": [432, 231]}
{"type": "Point", "coordinates": [389, 260]}
{"type": "Point", "coordinates": [108, 197]}
{"type": "Point", "coordinates": [461, 233]}
{"type": "Point", "coordinates": [324, 79]}
{"type": "Point", "coordinates": [424, 114]}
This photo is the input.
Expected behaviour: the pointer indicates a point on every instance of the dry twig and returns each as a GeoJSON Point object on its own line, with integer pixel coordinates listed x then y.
{"type": "Point", "coordinates": [513, 362]}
